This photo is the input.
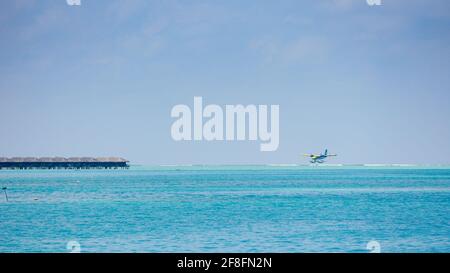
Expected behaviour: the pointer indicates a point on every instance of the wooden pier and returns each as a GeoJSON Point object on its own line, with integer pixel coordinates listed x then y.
{"type": "Point", "coordinates": [24, 163]}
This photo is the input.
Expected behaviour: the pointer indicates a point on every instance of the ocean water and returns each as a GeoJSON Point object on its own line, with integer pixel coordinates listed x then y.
{"type": "Point", "coordinates": [227, 209]}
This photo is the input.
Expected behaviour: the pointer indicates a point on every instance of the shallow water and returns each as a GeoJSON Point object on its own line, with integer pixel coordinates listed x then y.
{"type": "Point", "coordinates": [227, 209]}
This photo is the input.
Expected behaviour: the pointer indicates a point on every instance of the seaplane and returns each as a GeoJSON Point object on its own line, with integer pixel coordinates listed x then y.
{"type": "Point", "coordinates": [319, 158]}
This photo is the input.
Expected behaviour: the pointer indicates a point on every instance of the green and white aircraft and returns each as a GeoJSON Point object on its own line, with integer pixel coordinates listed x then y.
{"type": "Point", "coordinates": [319, 158]}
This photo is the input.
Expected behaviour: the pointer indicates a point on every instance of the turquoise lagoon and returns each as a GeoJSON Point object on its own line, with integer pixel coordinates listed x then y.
{"type": "Point", "coordinates": [281, 208]}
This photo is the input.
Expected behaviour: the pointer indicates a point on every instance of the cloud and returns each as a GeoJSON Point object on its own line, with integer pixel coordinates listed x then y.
{"type": "Point", "coordinates": [10, 9]}
{"type": "Point", "coordinates": [124, 10]}
{"type": "Point", "coordinates": [346, 4]}
{"type": "Point", "coordinates": [303, 49]}
{"type": "Point", "coordinates": [340, 5]}
{"type": "Point", "coordinates": [23, 4]}
{"type": "Point", "coordinates": [50, 19]}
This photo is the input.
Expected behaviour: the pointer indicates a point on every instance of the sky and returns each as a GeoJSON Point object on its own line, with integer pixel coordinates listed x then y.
{"type": "Point", "coordinates": [370, 83]}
